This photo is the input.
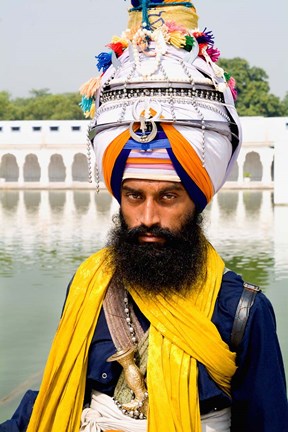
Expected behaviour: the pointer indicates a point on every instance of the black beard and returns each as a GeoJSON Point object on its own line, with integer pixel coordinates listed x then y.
{"type": "Point", "coordinates": [172, 267]}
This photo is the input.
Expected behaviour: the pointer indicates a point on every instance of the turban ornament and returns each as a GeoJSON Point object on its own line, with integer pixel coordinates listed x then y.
{"type": "Point", "coordinates": [162, 108]}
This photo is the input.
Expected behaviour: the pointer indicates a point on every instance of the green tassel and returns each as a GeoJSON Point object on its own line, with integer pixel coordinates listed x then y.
{"type": "Point", "coordinates": [227, 76]}
{"type": "Point", "coordinates": [190, 41]}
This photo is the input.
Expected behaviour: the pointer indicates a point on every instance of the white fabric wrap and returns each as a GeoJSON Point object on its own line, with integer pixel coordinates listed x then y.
{"type": "Point", "coordinates": [218, 149]}
{"type": "Point", "coordinates": [104, 415]}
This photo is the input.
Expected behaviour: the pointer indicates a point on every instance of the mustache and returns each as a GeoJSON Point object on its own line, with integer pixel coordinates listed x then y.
{"type": "Point", "coordinates": [133, 234]}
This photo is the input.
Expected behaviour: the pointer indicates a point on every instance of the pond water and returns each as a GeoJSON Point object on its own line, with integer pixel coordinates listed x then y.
{"type": "Point", "coordinates": [44, 235]}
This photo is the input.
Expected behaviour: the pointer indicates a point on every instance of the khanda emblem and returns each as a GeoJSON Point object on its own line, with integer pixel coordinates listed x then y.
{"type": "Point", "coordinates": [145, 113]}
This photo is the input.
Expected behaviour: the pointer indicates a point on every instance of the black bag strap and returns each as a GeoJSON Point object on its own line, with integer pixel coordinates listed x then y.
{"type": "Point", "coordinates": [242, 313]}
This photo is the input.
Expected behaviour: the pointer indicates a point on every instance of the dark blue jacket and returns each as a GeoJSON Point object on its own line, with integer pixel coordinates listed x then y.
{"type": "Point", "coordinates": [259, 401]}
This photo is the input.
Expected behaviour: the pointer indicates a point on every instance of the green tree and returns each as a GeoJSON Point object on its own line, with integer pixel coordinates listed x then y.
{"type": "Point", "coordinates": [254, 97]}
{"type": "Point", "coordinates": [45, 106]}
{"type": "Point", "coordinates": [40, 92]}
{"type": "Point", "coordinates": [285, 105]}
{"type": "Point", "coordinates": [6, 106]}
{"type": "Point", "coordinates": [42, 105]}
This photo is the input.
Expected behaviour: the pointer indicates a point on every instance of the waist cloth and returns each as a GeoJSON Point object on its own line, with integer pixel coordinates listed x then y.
{"type": "Point", "coordinates": [104, 415]}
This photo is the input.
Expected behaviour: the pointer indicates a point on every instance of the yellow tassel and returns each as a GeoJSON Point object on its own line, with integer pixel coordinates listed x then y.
{"type": "Point", "coordinates": [116, 39]}
{"type": "Point", "coordinates": [177, 39]}
{"type": "Point", "coordinates": [88, 89]}
{"type": "Point", "coordinates": [92, 110]}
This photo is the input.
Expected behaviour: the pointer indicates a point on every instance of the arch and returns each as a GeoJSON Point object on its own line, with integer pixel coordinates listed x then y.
{"type": "Point", "coordinates": [31, 168]}
{"type": "Point", "coordinates": [80, 168]}
{"type": "Point", "coordinates": [9, 169]}
{"type": "Point", "coordinates": [56, 169]}
{"type": "Point", "coordinates": [253, 167]}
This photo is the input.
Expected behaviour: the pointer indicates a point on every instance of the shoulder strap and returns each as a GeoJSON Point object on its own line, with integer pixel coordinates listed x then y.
{"type": "Point", "coordinates": [242, 313]}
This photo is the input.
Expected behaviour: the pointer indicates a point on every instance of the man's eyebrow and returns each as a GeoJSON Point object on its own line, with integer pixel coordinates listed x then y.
{"type": "Point", "coordinates": [174, 186]}
{"type": "Point", "coordinates": [131, 189]}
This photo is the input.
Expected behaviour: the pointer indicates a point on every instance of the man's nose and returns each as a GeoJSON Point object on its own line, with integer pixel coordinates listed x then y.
{"type": "Point", "coordinates": [150, 214]}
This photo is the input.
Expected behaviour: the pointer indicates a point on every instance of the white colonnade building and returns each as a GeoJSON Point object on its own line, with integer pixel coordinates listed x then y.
{"type": "Point", "coordinates": [52, 154]}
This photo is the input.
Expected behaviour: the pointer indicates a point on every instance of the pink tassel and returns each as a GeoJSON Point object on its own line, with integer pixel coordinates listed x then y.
{"type": "Point", "coordinates": [213, 53]}
{"type": "Point", "coordinates": [89, 88]}
{"type": "Point", "coordinates": [172, 27]}
{"type": "Point", "coordinates": [232, 84]}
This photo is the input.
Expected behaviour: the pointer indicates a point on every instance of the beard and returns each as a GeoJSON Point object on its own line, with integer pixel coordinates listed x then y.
{"type": "Point", "coordinates": [174, 266]}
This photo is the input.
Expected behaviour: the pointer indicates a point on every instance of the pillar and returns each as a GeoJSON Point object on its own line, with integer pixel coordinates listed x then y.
{"type": "Point", "coordinates": [20, 158]}
{"type": "Point", "coordinates": [280, 172]}
{"type": "Point", "coordinates": [44, 160]}
{"type": "Point", "coordinates": [68, 161]}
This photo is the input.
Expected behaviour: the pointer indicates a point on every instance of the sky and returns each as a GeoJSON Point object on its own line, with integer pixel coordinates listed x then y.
{"type": "Point", "coordinates": [52, 43]}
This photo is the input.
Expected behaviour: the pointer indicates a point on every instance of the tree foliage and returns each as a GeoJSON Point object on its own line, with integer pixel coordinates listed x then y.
{"type": "Point", "coordinates": [254, 98]}
{"type": "Point", "coordinates": [42, 105]}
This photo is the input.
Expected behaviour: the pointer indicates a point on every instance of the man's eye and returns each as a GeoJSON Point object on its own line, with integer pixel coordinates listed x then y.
{"type": "Point", "coordinates": [168, 197]}
{"type": "Point", "coordinates": [133, 196]}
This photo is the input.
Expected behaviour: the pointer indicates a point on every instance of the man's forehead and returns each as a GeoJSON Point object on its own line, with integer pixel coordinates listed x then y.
{"type": "Point", "coordinates": [146, 184]}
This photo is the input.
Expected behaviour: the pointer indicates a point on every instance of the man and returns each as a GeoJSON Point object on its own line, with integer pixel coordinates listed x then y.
{"type": "Point", "coordinates": [153, 336]}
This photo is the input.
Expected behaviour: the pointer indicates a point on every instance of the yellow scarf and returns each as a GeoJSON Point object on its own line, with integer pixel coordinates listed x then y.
{"type": "Point", "coordinates": [181, 333]}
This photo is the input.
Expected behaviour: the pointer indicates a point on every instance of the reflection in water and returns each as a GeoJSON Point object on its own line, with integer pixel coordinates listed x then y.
{"type": "Point", "coordinates": [9, 201]}
{"type": "Point", "coordinates": [228, 202]}
{"type": "Point", "coordinates": [103, 202]}
{"type": "Point", "coordinates": [57, 200]}
{"type": "Point", "coordinates": [254, 269]}
{"type": "Point", "coordinates": [44, 235]}
{"type": "Point", "coordinates": [32, 201]}
{"type": "Point", "coordinates": [241, 235]}
{"type": "Point", "coordinates": [81, 201]}
{"type": "Point", "coordinates": [252, 201]}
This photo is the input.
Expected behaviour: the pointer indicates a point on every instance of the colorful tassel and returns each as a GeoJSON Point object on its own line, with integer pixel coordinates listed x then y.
{"type": "Point", "coordinates": [92, 111]}
{"type": "Point", "coordinates": [190, 42]}
{"type": "Point", "coordinates": [177, 39]}
{"type": "Point", "coordinates": [172, 27]}
{"type": "Point", "coordinates": [231, 82]}
{"type": "Point", "coordinates": [227, 76]}
{"type": "Point", "coordinates": [86, 104]}
{"type": "Point", "coordinates": [104, 61]}
{"type": "Point", "coordinates": [213, 53]}
{"type": "Point", "coordinates": [123, 40]}
{"type": "Point", "coordinates": [90, 87]}
{"type": "Point", "coordinates": [205, 37]}
{"type": "Point", "coordinates": [232, 85]}
{"type": "Point", "coordinates": [117, 47]}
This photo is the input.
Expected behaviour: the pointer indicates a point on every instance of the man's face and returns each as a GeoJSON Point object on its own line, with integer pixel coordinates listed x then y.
{"type": "Point", "coordinates": [155, 203]}
{"type": "Point", "coordinates": [157, 242]}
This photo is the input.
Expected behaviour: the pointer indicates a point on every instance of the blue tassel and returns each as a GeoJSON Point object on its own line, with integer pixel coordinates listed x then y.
{"type": "Point", "coordinates": [86, 104]}
{"type": "Point", "coordinates": [104, 61]}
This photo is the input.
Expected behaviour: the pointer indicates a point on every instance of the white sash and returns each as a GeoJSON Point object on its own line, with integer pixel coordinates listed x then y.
{"type": "Point", "coordinates": [104, 415]}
